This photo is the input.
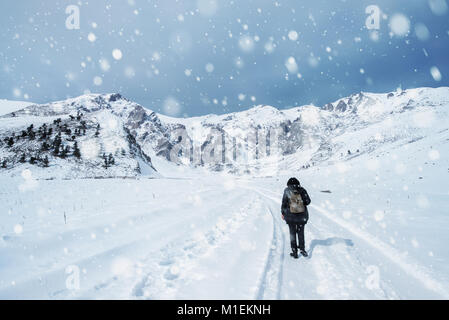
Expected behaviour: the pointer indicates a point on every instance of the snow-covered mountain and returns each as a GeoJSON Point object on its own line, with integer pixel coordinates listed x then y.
{"type": "Point", "coordinates": [76, 138]}
{"type": "Point", "coordinates": [260, 141]}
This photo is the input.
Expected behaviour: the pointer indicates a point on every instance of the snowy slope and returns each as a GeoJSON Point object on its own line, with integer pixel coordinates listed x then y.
{"type": "Point", "coordinates": [86, 123]}
{"type": "Point", "coordinates": [8, 106]}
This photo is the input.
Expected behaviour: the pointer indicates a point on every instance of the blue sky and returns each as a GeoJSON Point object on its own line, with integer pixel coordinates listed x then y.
{"type": "Point", "coordinates": [188, 58]}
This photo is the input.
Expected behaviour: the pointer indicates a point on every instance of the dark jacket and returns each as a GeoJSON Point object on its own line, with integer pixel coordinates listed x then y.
{"type": "Point", "coordinates": [301, 218]}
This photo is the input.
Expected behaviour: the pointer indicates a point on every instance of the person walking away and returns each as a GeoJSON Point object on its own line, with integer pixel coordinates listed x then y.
{"type": "Point", "coordinates": [296, 215]}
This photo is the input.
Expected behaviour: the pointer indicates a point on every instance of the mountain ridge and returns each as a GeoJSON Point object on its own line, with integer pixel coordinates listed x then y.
{"type": "Point", "coordinates": [246, 142]}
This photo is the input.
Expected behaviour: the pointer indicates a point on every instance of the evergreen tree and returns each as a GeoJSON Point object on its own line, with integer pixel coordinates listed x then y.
{"type": "Point", "coordinates": [45, 146]}
{"type": "Point", "coordinates": [106, 163]}
{"type": "Point", "coordinates": [76, 151]}
{"type": "Point", "coordinates": [111, 159]}
{"type": "Point", "coordinates": [4, 164]}
{"type": "Point", "coordinates": [108, 160]}
{"type": "Point", "coordinates": [44, 132]}
{"type": "Point", "coordinates": [56, 144]}
{"type": "Point", "coordinates": [23, 158]}
{"type": "Point", "coordinates": [10, 142]}
{"type": "Point", "coordinates": [30, 132]}
{"type": "Point", "coordinates": [97, 133]}
{"type": "Point", "coordinates": [64, 152]}
{"type": "Point", "coordinates": [45, 161]}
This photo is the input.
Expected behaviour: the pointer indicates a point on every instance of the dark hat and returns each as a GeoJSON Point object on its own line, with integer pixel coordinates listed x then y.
{"type": "Point", "coordinates": [293, 182]}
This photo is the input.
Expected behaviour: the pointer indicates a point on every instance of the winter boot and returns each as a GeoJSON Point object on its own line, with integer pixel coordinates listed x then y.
{"type": "Point", "coordinates": [294, 254]}
{"type": "Point", "coordinates": [304, 253]}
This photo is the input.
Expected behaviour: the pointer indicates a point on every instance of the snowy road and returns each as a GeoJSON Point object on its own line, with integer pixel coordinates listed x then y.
{"type": "Point", "coordinates": [191, 239]}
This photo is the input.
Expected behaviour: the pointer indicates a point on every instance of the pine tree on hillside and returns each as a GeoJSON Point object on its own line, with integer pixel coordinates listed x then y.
{"type": "Point", "coordinates": [10, 142]}
{"type": "Point", "coordinates": [45, 146]}
{"type": "Point", "coordinates": [64, 151]}
{"type": "Point", "coordinates": [31, 133]}
{"type": "Point", "coordinates": [45, 161]}
{"type": "Point", "coordinates": [4, 164]}
{"type": "Point", "coordinates": [56, 151]}
{"type": "Point", "coordinates": [105, 159]}
{"type": "Point", "coordinates": [56, 144]}
{"type": "Point", "coordinates": [43, 132]}
{"type": "Point", "coordinates": [111, 159]}
{"type": "Point", "coordinates": [108, 160]}
{"type": "Point", "coordinates": [76, 151]}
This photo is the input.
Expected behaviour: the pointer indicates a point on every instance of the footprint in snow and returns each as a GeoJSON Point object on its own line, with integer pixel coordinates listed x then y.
{"type": "Point", "coordinates": [172, 273]}
{"type": "Point", "coordinates": [166, 262]}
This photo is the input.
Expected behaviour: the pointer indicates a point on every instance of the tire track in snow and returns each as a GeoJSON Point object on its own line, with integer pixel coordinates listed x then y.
{"type": "Point", "coordinates": [413, 270]}
{"type": "Point", "coordinates": [337, 271]}
{"type": "Point", "coordinates": [270, 286]}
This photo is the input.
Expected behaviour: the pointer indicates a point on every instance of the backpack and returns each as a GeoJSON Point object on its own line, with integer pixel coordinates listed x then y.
{"type": "Point", "coordinates": [296, 203]}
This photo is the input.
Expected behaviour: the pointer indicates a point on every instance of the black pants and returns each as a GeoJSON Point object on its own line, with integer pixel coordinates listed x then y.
{"type": "Point", "coordinates": [297, 230]}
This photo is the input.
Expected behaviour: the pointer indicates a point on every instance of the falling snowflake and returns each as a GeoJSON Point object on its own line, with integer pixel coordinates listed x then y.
{"type": "Point", "coordinates": [117, 54]}
{"type": "Point", "coordinates": [399, 25]}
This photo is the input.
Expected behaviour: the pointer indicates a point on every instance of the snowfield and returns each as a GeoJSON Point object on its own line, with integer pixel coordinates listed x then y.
{"type": "Point", "coordinates": [8, 106]}
{"type": "Point", "coordinates": [378, 228]}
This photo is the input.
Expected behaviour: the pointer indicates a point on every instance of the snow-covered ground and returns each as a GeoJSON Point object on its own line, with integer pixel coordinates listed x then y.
{"type": "Point", "coordinates": [378, 224]}
{"type": "Point", "coordinates": [381, 233]}
{"type": "Point", "coordinates": [8, 106]}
